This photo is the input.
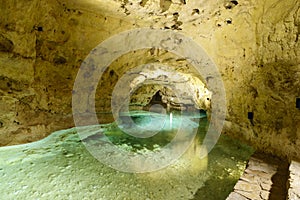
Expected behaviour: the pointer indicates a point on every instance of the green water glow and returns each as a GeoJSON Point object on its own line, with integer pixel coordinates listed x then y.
{"type": "Point", "coordinates": [60, 167]}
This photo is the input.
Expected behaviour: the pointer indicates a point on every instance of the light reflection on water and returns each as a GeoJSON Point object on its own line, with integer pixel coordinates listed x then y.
{"type": "Point", "coordinates": [60, 167]}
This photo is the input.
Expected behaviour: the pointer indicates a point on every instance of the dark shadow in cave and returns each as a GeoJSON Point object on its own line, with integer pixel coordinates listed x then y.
{"type": "Point", "coordinates": [156, 100]}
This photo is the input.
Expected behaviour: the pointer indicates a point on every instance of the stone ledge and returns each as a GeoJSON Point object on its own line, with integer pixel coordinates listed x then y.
{"type": "Point", "coordinates": [263, 179]}
{"type": "Point", "coordinates": [294, 181]}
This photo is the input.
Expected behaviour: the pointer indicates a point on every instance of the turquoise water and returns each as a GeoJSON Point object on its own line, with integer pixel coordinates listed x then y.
{"type": "Point", "coordinates": [61, 167]}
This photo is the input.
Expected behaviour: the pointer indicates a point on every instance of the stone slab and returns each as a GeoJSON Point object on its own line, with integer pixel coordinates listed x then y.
{"type": "Point", "coordinates": [294, 181]}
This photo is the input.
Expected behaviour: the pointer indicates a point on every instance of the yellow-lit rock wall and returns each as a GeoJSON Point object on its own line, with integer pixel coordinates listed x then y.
{"type": "Point", "coordinates": [43, 44]}
{"type": "Point", "coordinates": [254, 44]}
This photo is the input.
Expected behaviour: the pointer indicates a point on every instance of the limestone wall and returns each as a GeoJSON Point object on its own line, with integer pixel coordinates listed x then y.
{"type": "Point", "coordinates": [42, 45]}
{"type": "Point", "coordinates": [254, 44]}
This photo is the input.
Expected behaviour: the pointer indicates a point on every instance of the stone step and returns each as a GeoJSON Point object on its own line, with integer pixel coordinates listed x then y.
{"type": "Point", "coordinates": [294, 181]}
{"type": "Point", "coordinates": [264, 178]}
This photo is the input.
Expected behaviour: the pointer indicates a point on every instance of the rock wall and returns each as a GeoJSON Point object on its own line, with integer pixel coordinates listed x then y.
{"type": "Point", "coordinates": [42, 45]}
{"type": "Point", "coordinates": [254, 44]}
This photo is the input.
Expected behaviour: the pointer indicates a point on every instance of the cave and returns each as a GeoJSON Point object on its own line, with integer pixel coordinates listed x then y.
{"type": "Point", "coordinates": [150, 99]}
{"type": "Point", "coordinates": [156, 99]}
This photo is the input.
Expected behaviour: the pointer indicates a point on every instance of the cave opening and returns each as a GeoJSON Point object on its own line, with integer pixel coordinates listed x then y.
{"type": "Point", "coordinates": [156, 97]}
{"type": "Point", "coordinates": [156, 104]}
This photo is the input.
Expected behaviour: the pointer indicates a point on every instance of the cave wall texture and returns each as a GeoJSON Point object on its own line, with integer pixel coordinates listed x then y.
{"type": "Point", "coordinates": [255, 45]}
